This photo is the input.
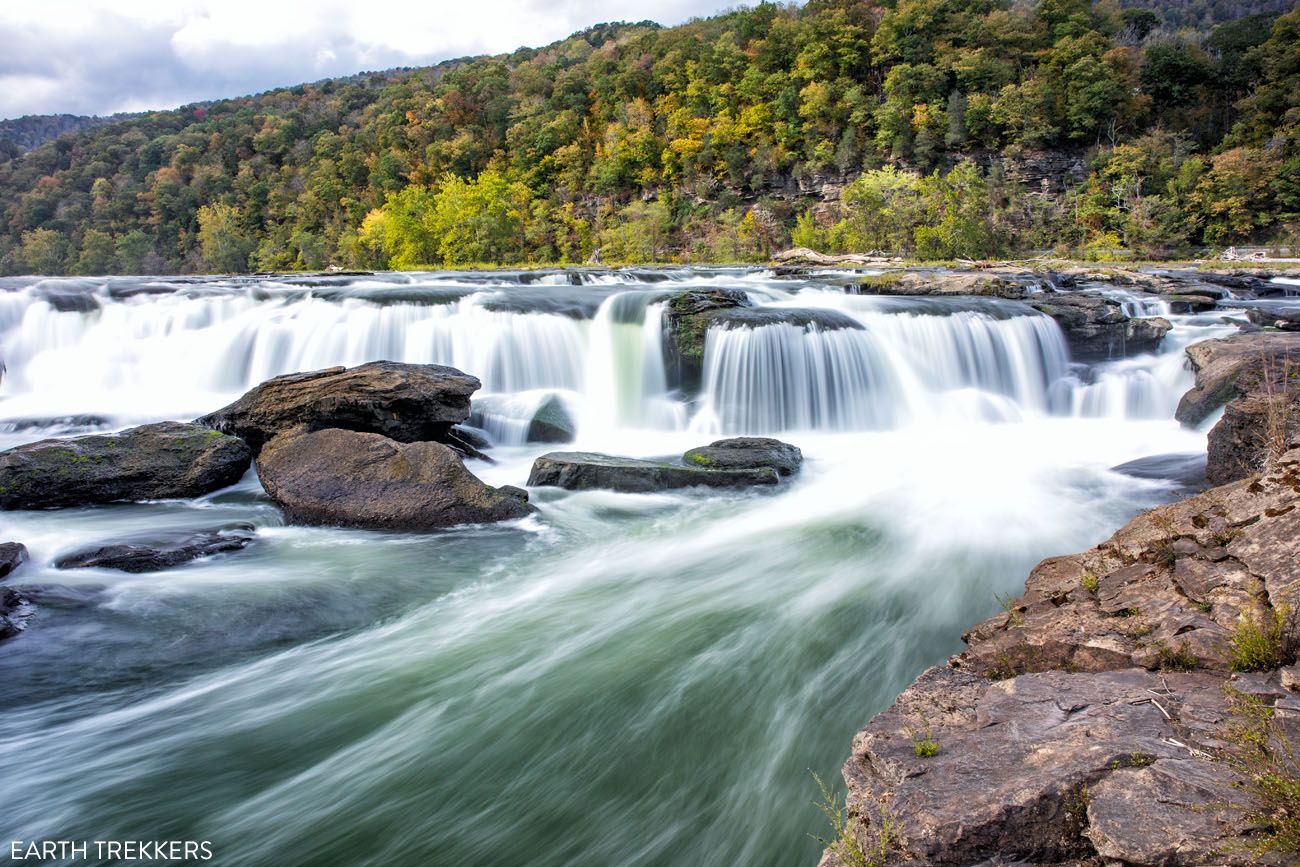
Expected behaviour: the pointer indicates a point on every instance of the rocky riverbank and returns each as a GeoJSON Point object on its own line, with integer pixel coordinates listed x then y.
{"type": "Point", "coordinates": [1140, 702]}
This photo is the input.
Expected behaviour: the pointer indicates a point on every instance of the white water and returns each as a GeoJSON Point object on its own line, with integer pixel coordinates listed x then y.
{"type": "Point", "coordinates": [621, 679]}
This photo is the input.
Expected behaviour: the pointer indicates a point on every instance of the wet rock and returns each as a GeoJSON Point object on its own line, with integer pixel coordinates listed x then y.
{"type": "Point", "coordinates": [469, 443]}
{"type": "Point", "coordinates": [153, 462]}
{"type": "Point", "coordinates": [1188, 470]}
{"type": "Point", "coordinates": [1180, 302]}
{"type": "Point", "coordinates": [1219, 363]}
{"type": "Point", "coordinates": [551, 423]}
{"type": "Point", "coordinates": [1285, 317]}
{"type": "Point", "coordinates": [12, 555]}
{"type": "Point", "coordinates": [403, 402]}
{"type": "Point", "coordinates": [747, 453]}
{"type": "Point", "coordinates": [351, 479]}
{"type": "Point", "coordinates": [583, 471]}
{"type": "Point", "coordinates": [15, 611]}
{"type": "Point", "coordinates": [151, 554]}
{"type": "Point", "coordinates": [1097, 329]}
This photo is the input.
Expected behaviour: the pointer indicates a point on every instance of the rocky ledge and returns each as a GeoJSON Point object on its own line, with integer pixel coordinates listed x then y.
{"type": "Point", "coordinates": [1097, 329]}
{"type": "Point", "coordinates": [1138, 704]}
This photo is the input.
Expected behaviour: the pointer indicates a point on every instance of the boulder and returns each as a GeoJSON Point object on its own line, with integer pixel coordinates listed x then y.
{"type": "Point", "coordinates": [1186, 302]}
{"type": "Point", "coordinates": [153, 462]}
{"type": "Point", "coordinates": [584, 471]}
{"type": "Point", "coordinates": [1285, 317]}
{"type": "Point", "coordinates": [152, 554]}
{"type": "Point", "coordinates": [747, 453]}
{"type": "Point", "coordinates": [551, 423]}
{"type": "Point", "coordinates": [1219, 363]}
{"type": "Point", "coordinates": [1097, 329]}
{"type": "Point", "coordinates": [352, 479]}
{"type": "Point", "coordinates": [12, 555]}
{"type": "Point", "coordinates": [404, 402]}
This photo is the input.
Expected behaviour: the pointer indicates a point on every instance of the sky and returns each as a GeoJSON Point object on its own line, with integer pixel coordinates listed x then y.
{"type": "Point", "coordinates": [106, 56]}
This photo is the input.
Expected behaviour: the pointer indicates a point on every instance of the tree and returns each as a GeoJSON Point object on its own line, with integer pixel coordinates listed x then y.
{"type": "Point", "coordinates": [43, 251]}
{"type": "Point", "coordinates": [224, 244]}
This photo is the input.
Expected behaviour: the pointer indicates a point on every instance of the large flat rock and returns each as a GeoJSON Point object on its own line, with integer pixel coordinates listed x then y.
{"type": "Point", "coordinates": [153, 462]}
{"type": "Point", "coordinates": [583, 471]}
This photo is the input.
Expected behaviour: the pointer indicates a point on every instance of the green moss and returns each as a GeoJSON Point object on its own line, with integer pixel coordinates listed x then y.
{"type": "Point", "coordinates": [697, 458]}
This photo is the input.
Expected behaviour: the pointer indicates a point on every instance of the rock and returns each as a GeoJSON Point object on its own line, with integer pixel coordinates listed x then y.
{"type": "Point", "coordinates": [1188, 470]}
{"type": "Point", "coordinates": [1258, 376]}
{"type": "Point", "coordinates": [1097, 329]}
{"type": "Point", "coordinates": [584, 471]}
{"type": "Point", "coordinates": [12, 555]}
{"type": "Point", "coordinates": [1048, 768]}
{"type": "Point", "coordinates": [747, 453]}
{"type": "Point", "coordinates": [1218, 364]}
{"type": "Point", "coordinates": [689, 316]}
{"type": "Point", "coordinates": [1285, 317]}
{"type": "Point", "coordinates": [153, 462]}
{"type": "Point", "coordinates": [351, 479]}
{"type": "Point", "coordinates": [551, 423]}
{"type": "Point", "coordinates": [150, 554]}
{"type": "Point", "coordinates": [1166, 590]}
{"type": "Point", "coordinates": [987, 283]}
{"type": "Point", "coordinates": [404, 402]}
{"type": "Point", "coordinates": [15, 611]}
{"type": "Point", "coordinates": [1180, 302]}
{"type": "Point", "coordinates": [804, 256]}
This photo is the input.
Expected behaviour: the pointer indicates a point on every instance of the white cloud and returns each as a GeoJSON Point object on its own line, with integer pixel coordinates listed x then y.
{"type": "Point", "coordinates": [102, 56]}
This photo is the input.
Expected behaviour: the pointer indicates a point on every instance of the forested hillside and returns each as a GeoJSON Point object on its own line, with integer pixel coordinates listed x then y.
{"type": "Point", "coordinates": [933, 128]}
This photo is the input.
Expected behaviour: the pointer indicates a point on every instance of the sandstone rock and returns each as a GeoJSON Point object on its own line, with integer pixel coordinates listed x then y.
{"type": "Point", "coordinates": [747, 453]}
{"type": "Point", "coordinates": [350, 479]}
{"type": "Point", "coordinates": [152, 462]}
{"type": "Point", "coordinates": [582, 471]}
{"type": "Point", "coordinates": [1282, 316]}
{"type": "Point", "coordinates": [1097, 329]}
{"type": "Point", "coordinates": [151, 554]}
{"type": "Point", "coordinates": [12, 555]}
{"type": "Point", "coordinates": [404, 402]}
{"type": "Point", "coordinates": [987, 283]}
{"type": "Point", "coordinates": [1219, 363]}
{"type": "Point", "coordinates": [1048, 768]}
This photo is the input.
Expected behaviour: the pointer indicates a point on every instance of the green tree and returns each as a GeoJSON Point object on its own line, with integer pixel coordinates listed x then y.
{"type": "Point", "coordinates": [224, 243]}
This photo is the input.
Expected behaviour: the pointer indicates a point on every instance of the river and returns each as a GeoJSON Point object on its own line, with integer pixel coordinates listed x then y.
{"type": "Point", "coordinates": [620, 679]}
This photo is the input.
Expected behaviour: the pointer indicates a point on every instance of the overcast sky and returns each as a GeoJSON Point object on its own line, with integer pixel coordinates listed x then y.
{"type": "Point", "coordinates": [105, 56]}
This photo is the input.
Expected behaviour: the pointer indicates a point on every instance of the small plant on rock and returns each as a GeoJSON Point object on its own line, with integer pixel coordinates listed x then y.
{"type": "Point", "coordinates": [1008, 603]}
{"type": "Point", "coordinates": [845, 844]}
{"type": "Point", "coordinates": [924, 744]}
{"type": "Point", "coordinates": [1265, 642]}
{"type": "Point", "coordinates": [1180, 658]}
{"type": "Point", "coordinates": [1089, 581]}
{"type": "Point", "coordinates": [1262, 754]}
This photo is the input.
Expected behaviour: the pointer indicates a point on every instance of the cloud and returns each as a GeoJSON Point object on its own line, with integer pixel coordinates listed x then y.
{"type": "Point", "coordinates": [105, 56]}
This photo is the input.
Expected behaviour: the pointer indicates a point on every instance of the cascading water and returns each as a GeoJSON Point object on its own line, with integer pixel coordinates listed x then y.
{"type": "Point", "coordinates": [621, 679]}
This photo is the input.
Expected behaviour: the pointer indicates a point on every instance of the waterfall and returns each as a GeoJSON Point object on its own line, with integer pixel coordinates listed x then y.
{"type": "Point", "coordinates": [135, 349]}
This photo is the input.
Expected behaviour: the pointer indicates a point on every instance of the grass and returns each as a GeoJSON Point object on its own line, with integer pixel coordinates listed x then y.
{"type": "Point", "coordinates": [1090, 582]}
{"type": "Point", "coordinates": [1008, 603]}
{"type": "Point", "coordinates": [1264, 757]}
{"type": "Point", "coordinates": [845, 844]}
{"type": "Point", "coordinates": [1265, 642]}
{"type": "Point", "coordinates": [1178, 658]}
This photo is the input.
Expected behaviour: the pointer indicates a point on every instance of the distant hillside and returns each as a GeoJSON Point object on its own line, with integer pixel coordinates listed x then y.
{"type": "Point", "coordinates": [939, 129]}
{"type": "Point", "coordinates": [19, 135]}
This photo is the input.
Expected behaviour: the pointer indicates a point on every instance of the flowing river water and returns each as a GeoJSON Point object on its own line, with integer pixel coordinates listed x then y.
{"type": "Point", "coordinates": [621, 679]}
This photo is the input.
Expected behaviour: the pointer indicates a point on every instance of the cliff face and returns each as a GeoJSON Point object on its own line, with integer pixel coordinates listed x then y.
{"type": "Point", "coordinates": [1134, 706]}
{"type": "Point", "coordinates": [21, 134]}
